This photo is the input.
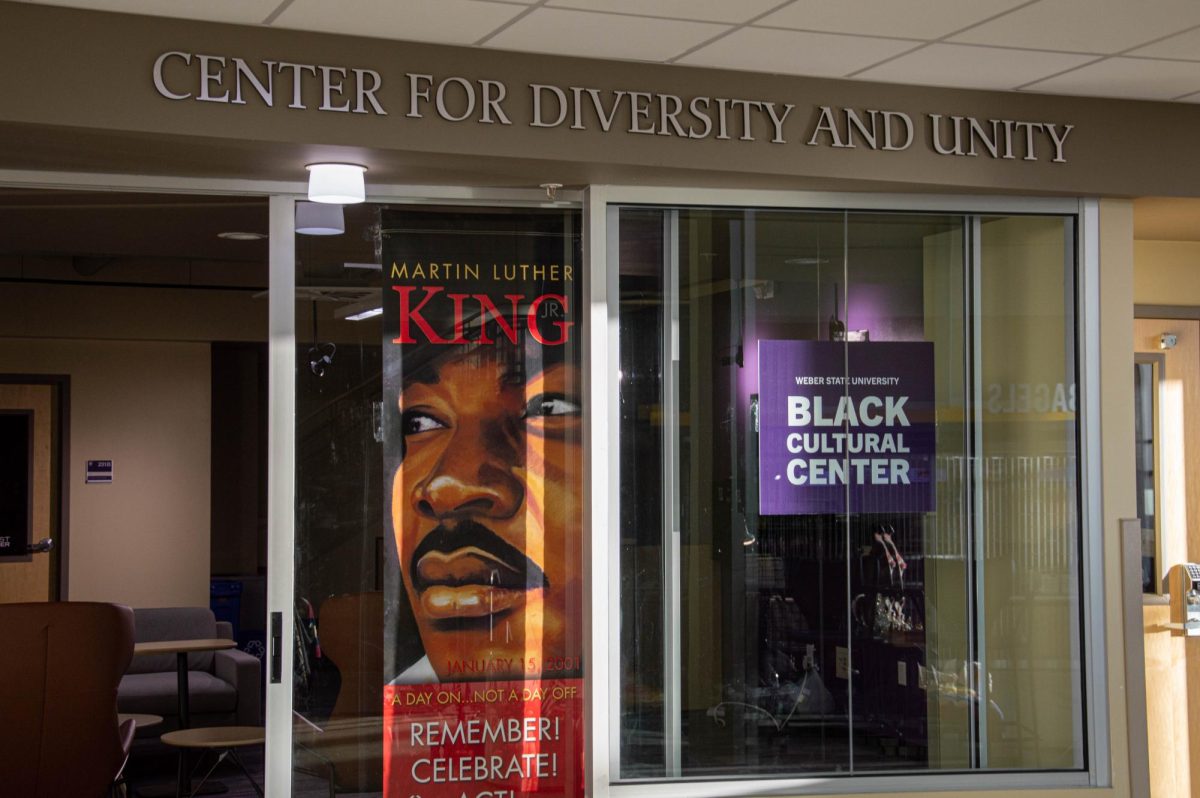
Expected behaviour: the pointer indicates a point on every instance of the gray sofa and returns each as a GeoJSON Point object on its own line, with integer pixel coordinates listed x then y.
{"type": "Point", "coordinates": [224, 687]}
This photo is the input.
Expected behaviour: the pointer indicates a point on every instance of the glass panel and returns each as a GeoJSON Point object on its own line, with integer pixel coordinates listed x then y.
{"type": "Point", "coordinates": [340, 527]}
{"type": "Point", "coordinates": [1028, 627]}
{"type": "Point", "coordinates": [857, 595]}
{"type": "Point", "coordinates": [439, 504]}
{"type": "Point", "coordinates": [483, 451]}
{"type": "Point", "coordinates": [641, 286]}
{"type": "Point", "coordinates": [905, 316]}
{"type": "Point", "coordinates": [754, 605]}
{"type": "Point", "coordinates": [1145, 433]}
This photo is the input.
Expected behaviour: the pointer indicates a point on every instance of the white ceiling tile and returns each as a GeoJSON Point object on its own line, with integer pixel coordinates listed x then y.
{"type": "Point", "coordinates": [794, 52]}
{"type": "Point", "coordinates": [916, 19]}
{"type": "Point", "coordinates": [555, 30]}
{"type": "Point", "coordinates": [1086, 26]}
{"type": "Point", "coordinates": [1137, 78]}
{"type": "Point", "coordinates": [1185, 45]}
{"type": "Point", "coordinates": [242, 12]}
{"type": "Point", "coordinates": [970, 67]}
{"type": "Point", "coordinates": [440, 21]}
{"type": "Point", "coordinates": [698, 10]}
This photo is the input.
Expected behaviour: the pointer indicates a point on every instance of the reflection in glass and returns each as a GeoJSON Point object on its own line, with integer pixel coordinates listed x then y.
{"type": "Point", "coordinates": [1027, 545]}
{"type": "Point", "coordinates": [1147, 371]}
{"type": "Point", "coordinates": [870, 636]}
{"type": "Point", "coordinates": [338, 651]}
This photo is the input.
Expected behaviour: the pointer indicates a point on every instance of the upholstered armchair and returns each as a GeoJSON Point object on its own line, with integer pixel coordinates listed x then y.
{"type": "Point", "coordinates": [224, 687]}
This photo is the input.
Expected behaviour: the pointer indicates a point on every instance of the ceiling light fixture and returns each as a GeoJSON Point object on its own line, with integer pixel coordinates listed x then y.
{"type": "Point", "coordinates": [366, 314]}
{"type": "Point", "coordinates": [319, 219]}
{"type": "Point", "coordinates": [336, 183]}
{"type": "Point", "coordinates": [358, 311]}
{"type": "Point", "coordinates": [234, 235]}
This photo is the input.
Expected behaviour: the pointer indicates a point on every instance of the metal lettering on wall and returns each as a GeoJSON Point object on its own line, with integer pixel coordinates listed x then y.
{"type": "Point", "coordinates": [184, 76]}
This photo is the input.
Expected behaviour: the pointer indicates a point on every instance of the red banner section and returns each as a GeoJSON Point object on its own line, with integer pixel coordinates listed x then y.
{"type": "Point", "coordinates": [484, 739]}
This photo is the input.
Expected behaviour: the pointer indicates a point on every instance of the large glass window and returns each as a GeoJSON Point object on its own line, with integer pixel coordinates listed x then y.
{"type": "Point", "coordinates": [849, 503]}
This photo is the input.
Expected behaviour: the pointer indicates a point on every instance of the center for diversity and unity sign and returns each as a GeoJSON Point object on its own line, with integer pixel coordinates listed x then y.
{"type": "Point", "coordinates": [845, 427]}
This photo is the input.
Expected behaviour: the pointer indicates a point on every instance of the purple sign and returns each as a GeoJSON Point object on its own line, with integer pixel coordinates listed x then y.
{"type": "Point", "coordinates": [845, 427]}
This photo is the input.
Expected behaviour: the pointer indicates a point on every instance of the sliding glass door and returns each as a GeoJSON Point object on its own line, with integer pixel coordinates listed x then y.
{"type": "Point", "coordinates": [848, 493]}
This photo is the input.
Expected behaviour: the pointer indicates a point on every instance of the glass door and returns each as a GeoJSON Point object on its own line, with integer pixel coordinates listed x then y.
{"type": "Point", "coordinates": [437, 618]}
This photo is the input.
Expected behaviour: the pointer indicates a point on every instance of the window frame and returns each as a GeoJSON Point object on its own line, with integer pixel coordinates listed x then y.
{"type": "Point", "coordinates": [602, 447]}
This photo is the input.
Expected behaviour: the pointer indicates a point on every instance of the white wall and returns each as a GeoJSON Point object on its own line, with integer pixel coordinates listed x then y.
{"type": "Point", "coordinates": [143, 540]}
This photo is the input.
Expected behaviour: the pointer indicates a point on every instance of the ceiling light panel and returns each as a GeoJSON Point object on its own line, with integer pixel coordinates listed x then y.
{"type": "Point", "coordinates": [439, 21]}
{"type": "Point", "coordinates": [695, 10]}
{"type": "Point", "coordinates": [582, 33]}
{"type": "Point", "coordinates": [915, 19]}
{"type": "Point", "coordinates": [961, 66]}
{"type": "Point", "coordinates": [795, 53]}
{"type": "Point", "coordinates": [1085, 26]}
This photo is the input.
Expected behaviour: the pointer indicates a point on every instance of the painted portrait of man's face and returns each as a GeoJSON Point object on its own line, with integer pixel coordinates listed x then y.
{"type": "Point", "coordinates": [485, 509]}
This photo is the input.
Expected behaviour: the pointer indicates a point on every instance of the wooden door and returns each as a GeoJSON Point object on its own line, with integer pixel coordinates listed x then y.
{"type": "Point", "coordinates": [34, 578]}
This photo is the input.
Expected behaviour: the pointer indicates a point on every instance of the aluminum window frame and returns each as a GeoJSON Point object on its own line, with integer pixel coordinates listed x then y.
{"type": "Point", "coordinates": [281, 487]}
{"type": "Point", "coordinates": [601, 549]}
{"type": "Point", "coordinates": [601, 252]}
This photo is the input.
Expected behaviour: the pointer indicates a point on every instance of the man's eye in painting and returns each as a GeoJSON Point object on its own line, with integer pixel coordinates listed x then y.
{"type": "Point", "coordinates": [551, 404]}
{"type": "Point", "coordinates": [414, 422]}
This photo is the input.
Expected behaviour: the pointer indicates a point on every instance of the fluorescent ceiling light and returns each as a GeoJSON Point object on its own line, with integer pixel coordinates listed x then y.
{"type": "Point", "coordinates": [317, 219]}
{"type": "Point", "coordinates": [357, 311]}
{"type": "Point", "coordinates": [235, 235]}
{"type": "Point", "coordinates": [375, 267]}
{"type": "Point", "coordinates": [366, 314]}
{"type": "Point", "coordinates": [336, 183]}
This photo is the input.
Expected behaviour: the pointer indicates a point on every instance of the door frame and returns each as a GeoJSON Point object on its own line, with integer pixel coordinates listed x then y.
{"type": "Point", "coordinates": [281, 388]}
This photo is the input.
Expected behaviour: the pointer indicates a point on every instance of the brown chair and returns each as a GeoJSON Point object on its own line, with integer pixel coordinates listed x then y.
{"type": "Point", "coordinates": [60, 663]}
{"type": "Point", "coordinates": [349, 744]}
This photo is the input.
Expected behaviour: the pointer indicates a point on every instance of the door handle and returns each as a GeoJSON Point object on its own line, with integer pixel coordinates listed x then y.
{"type": "Point", "coordinates": [42, 546]}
